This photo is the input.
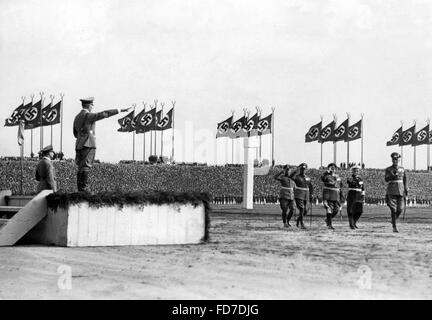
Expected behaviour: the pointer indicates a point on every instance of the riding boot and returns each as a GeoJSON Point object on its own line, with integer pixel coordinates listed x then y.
{"type": "Point", "coordinates": [351, 222]}
{"type": "Point", "coordinates": [290, 214]}
{"type": "Point", "coordinates": [393, 217]}
{"type": "Point", "coordinates": [329, 221]}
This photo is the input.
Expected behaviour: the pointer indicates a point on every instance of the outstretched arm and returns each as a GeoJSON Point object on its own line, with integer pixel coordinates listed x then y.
{"type": "Point", "coordinates": [104, 114]}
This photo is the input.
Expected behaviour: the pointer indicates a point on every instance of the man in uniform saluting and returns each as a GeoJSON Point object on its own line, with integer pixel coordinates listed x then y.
{"type": "Point", "coordinates": [84, 132]}
{"type": "Point", "coordinates": [303, 192]}
{"type": "Point", "coordinates": [331, 194]}
{"type": "Point", "coordinates": [286, 195]}
{"type": "Point", "coordinates": [355, 197]}
{"type": "Point", "coordinates": [397, 188]}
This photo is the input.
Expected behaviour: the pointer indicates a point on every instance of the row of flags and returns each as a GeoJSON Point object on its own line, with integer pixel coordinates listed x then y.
{"type": "Point", "coordinates": [411, 137]}
{"type": "Point", "coordinates": [34, 115]}
{"type": "Point", "coordinates": [245, 127]}
{"type": "Point", "coordinates": [146, 121]}
{"type": "Point", "coordinates": [344, 132]}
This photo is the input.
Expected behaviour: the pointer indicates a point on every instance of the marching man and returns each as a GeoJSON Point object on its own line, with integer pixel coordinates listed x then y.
{"type": "Point", "coordinates": [397, 189]}
{"type": "Point", "coordinates": [331, 194]}
{"type": "Point", "coordinates": [355, 197]}
{"type": "Point", "coordinates": [286, 195]}
{"type": "Point", "coordinates": [303, 192]}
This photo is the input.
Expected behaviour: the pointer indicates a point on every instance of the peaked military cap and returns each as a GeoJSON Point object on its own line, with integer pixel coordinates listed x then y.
{"type": "Point", "coordinates": [47, 149]}
{"type": "Point", "coordinates": [355, 167]}
{"type": "Point", "coordinates": [332, 164]}
{"type": "Point", "coordinates": [88, 100]}
{"type": "Point", "coordinates": [303, 165]}
{"type": "Point", "coordinates": [395, 155]}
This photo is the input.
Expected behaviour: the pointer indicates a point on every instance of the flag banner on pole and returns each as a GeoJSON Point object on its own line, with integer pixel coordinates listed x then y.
{"type": "Point", "coordinates": [145, 121]}
{"type": "Point", "coordinates": [51, 114]}
{"type": "Point", "coordinates": [166, 122]}
{"type": "Point", "coordinates": [421, 137]}
{"type": "Point", "coordinates": [236, 130]}
{"type": "Point", "coordinates": [158, 116]}
{"type": "Point", "coordinates": [341, 132]}
{"type": "Point", "coordinates": [21, 132]}
{"type": "Point", "coordinates": [430, 137]}
{"type": "Point", "coordinates": [251, 126]}
{"type": "Point", "coordinates": [126, 123]}
{"type": "Point", "coordinates": [17, 115]}
{"type": "Point", "coordinates": [407, 136]}
{"type": "Point", "coordinates": [265, 125]}
{"type": "Point", "coordinates": [313, 133]}
{"type": "Point", "coordinates": [327, 133]}
{"type": "Point", "coordinates": [394, 141]}
{"type": "Point", "coordinates": [223, 128]}
{"type": "Point", "coordinates": [354, 132]}
{"type": "Point", "coordinates": [32, 116]}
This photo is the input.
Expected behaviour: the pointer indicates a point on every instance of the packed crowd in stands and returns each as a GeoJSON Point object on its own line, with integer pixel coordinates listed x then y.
{"type": "Point", "coordinates": [223, 183]}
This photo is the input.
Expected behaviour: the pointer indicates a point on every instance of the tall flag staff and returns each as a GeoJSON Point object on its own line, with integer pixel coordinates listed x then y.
{"type": "Point", "coordinates": [31, 130]}
{"type": "Point", "coordinates": [21, 118]}
{"type": "Point", "coordinates": [161, 148]}
{"type": "Point", "coordinates": [172, 138]}
{"type": "Point", "coordinates": [232, 140]}
{"type": "Point", "coordinates": [133, 134]}
{"type": "Point", "coordinates": [362, 134]}
{"type": "Point", "coordinates": [347, 128]}
{"type": "Point", "coordinates": [21, 144]}
{"type": "Point", "coordinates": [154, 127]}
{"type": "Point", "coordinates": [61, 122]}
{"type": "Point", "coordinates": [144, 133]}
{"type": "Point", "coordinates": [334, 141]}
{"type": "Point", "coordinates": [428, 145]}
{"type": "Point", "coordinates": [415, 149]}
{"type": "Point", "coordinates": [322, 142]}
{"type": "Point", "coordinates": [272, 124]}
{"type": "Point", "coordinates": [401, 146]}
{"type": "Point", "coordinates": [51, 104]}
{"type": "Point", "coordinates": [259, 111]}
{"type": "Point", "coordinates": [40, 119]}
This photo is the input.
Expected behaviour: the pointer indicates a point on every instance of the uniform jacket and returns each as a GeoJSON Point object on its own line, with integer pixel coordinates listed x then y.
{"type": "Point", "coordinates": [45, 174]}
{"type": "Point", "coordinates": [303, 187]}
{"type": "Point", "coordinates": [355, 189]}
{"type": "Point", "coordinates": [287, 186]}
{"type": "Point", "coordinates": [332, 184]}
{"type": "Point", "coordinates": [84, 127]}
{"type": "Point", "coordinates": [396, 181]}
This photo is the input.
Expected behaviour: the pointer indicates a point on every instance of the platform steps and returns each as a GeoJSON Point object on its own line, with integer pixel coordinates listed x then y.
{"type": "Point", "coordinates": [19, 214]}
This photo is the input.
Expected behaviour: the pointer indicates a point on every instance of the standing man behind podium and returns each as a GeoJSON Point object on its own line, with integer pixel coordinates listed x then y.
{"type": "Point", "coordinates": [85, 145]}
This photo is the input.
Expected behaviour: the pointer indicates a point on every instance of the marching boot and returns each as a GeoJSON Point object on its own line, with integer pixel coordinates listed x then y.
{"type": "Point", "coordinates": [298, 221]}
{"type": "Point", "coordinates": [351, 222]}
{"type": "Point", "coordinates": [329, 222]}
{"type": "Point", "coordinates": [393, 217]}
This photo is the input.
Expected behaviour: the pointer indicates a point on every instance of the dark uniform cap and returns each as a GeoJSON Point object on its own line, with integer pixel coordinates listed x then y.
{"type": "Point", "coordinates": [332, 164]}
{"type": "Point", "coordinates": [395, 155]}
{"type": "Point", "coordinates": [87, 100]}
{"type": "Point", "coordinates": [47, 149]}
{"type": "Point", "coordinates": [355, 167]}
{"type": "Point", "coordinates": [303, 165]}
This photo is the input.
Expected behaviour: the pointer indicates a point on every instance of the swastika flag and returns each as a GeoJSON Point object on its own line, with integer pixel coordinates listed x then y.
{"type": "Point", "coordinates": [145, 121]}
{"type": "Point", "coordinates": [223, 128]}
{"type": "Point", "coordinates": [126, 123]}
{"type": "Point", "coordinates": [354, 131]}
{"type": "Point", "coordinates": [313, 133]}
{"type": "Point", "coordinates": [17, 115]}
{"type": "Point", "coordinates": [394, 141]}
{"type": "Point", "coordinates": [32, 116]}
{"type": "Point", "coordinates": [327, 133]}
{"type": "Point", "coordinates": [341, 132]}
{"type": "Point", "coordinates": [407, 136]}
{"type": "Point", "coordinates": [236, 129]}
{"type": "Point", "coordinates": [265, 125]}
{"type": "Point", "coordinates": [166, 121]}
{"type": "Point", "coordinates": [421, 137]}
{"type": "Point", "coordinates": [51, 114]}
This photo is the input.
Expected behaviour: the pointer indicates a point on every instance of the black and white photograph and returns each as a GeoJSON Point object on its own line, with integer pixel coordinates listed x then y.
{"type": "Point", "coordinates": [233, 151]}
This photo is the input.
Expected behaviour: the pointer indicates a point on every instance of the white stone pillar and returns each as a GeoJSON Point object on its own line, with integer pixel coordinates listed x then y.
{"type": "Point", "coordinates": [248, 174]}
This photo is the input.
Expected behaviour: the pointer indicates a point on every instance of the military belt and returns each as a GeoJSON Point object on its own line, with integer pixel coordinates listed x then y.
{"type": "Point", "coordinates": [300, 188]}
{"type": "Point", "coordinates": [334, 189]}
{"type": "Point", "coordinates": [290, 188]}
{"type": "Point", "coordinates": [355, 189]}
{"type": "Point", "coordinates": [395, 181]}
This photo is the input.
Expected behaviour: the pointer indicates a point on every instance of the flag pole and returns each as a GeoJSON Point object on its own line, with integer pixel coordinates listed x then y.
{"type": "Point", "coordinates": [362, 134]}
{"type": "Point", "coordinates": [348, 125]}
{"type": "Point", "coordinates": [172, 138]}
{"type": "Point", "coordinates": [428, 146]}
{"type": "Point", "coordinates": [40, 119]}
{"type": "Point", "coordinates": [334, 142]}
{"type": "Point", "coordinates": [144, 104]}
{"type": "Point", "coordinates": [61, 122]}
{"type": "Point", "coordinates": [162, 104]}
{"type": "Point", "coordinates": [52, 103]}
{"type": "Point", "coordinates": [272, 129]}
{"type": "Point", "coordinates": [232, 140]}
{"type": "Point", "coordinates": [401, 146]}
{"type": "Point", "coordinates": [21, 132]}
{"type": "Point", "coordinates": [31, 131]}
{"type": "Point", "coordinates": [155, 132]}
{"type": "Point", "coordinates": [133, 134]}
{"type": "Point", "coordinates": [321, 144]}
{"type": "Point", "coordinates": [23, 100]}
{"type": "Point", "coordinates": [415, 149]}
{"type": "Point", "coordinates": [260, 138]}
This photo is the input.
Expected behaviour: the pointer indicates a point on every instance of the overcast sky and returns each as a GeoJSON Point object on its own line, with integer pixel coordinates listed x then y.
{"type": "Point", "coordinates": [304, 58]}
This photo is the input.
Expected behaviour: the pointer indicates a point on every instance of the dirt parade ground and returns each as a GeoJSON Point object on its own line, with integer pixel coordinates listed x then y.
{"type": "Point", "coordinates": [249, 256]}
